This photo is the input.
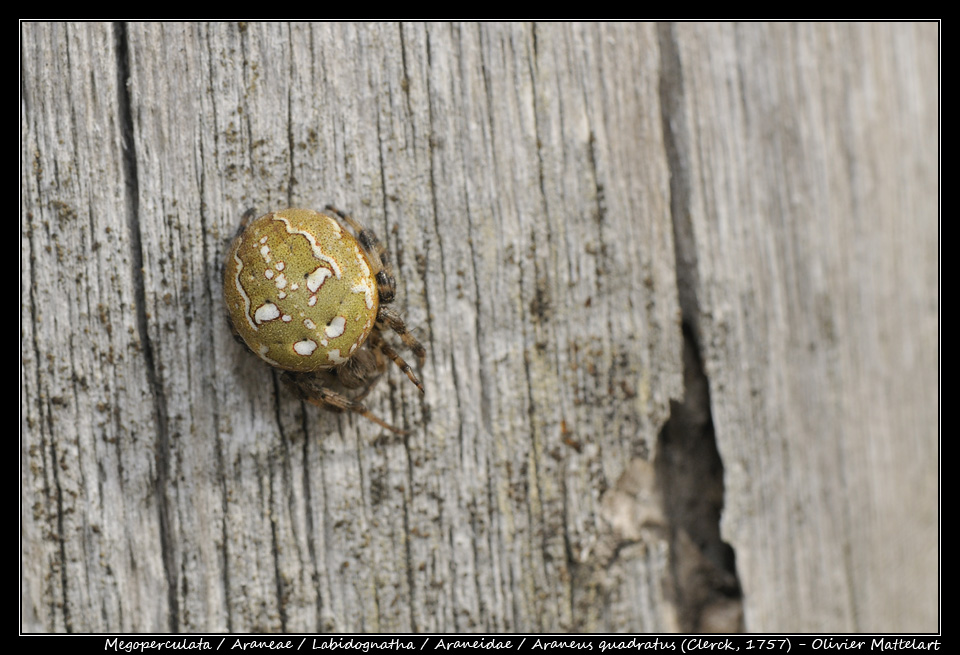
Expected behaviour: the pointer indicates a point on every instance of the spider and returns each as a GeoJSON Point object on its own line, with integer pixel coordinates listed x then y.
{"type": "Point", "coordinates": [308, 297]}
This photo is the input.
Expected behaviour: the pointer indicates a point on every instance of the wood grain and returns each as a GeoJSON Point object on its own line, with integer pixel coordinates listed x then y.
{"type": "Point", "coordinates": [558, 199]}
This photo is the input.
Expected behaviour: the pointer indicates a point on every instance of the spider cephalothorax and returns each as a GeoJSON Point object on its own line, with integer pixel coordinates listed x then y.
{"type": "Point", "coordinates": [308, 297]}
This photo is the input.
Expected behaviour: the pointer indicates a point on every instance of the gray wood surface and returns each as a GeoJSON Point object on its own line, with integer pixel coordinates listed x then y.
{"type": "Point", "coordinates": [809, 164]}
{"type": "Point", "coordinates": [559, 201]}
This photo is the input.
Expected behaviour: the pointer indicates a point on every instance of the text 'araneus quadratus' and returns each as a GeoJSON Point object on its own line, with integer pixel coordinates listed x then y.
{"type": "Point", "coordinates": [308, 297]}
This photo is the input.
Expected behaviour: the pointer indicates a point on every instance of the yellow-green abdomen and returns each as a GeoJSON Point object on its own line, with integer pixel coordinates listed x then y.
{"type": "Point", "coordinates": [300, 290]}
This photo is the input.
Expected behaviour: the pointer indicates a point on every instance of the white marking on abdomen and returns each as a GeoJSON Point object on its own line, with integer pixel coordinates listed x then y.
{"type": "Point", "coordinates": [335, 225]}
{"type": "Point", "coordinates": [263, 355]}
{"type": "Point", "coordinates": [315, 279]}
{"type": "Point", "coordinates": [364, 288]}
{"type": "Point", "coordinates": [363, 263]}
{"type": "Point", "coordinates": [266, 312]}
{"type": "Point", "coordinates": [246, 298]}
{"type": "Point", "coordinates": [317, 252]}
{"type": "Point", "coordinates": [335, 329]}
{"type": "Point", "coordinates": [305, 347]}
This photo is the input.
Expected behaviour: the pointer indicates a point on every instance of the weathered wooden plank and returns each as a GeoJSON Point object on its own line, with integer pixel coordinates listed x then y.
{"type": "Point", "coordinates": [542, 189]}
{"type": "Point", "coordinates": [500, 164]}
{"type": "Point", "coordinates": [91, 533]}
{"type": "Point", "coordinates": [807, 155]}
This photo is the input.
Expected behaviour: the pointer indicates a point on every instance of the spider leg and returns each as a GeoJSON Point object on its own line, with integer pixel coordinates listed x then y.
{"type": "Point", "coordinates": [387, 318]}
{"type": "Point", "coordinates": [366, 391]}
{"type": "Point", "coordinates": [310, 388]}
{"type": "Point", "coordinates": [376, 340]}
{"type": "Point", "coordinates": [368, 387]}
{"type": "Point", "coordinates": [248, 216]}
{"type": "Point", "coordinates": [376, 253]}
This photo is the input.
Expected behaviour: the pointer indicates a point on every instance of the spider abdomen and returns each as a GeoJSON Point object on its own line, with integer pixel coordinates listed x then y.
{"type": "Point", "coordinates": [300, 291]}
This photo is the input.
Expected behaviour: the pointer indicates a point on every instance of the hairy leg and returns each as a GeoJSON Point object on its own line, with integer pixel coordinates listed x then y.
{"type": "Point", "coordinates": [376, 341]}
{"type": "Point", "coordinates": [387, 319]}
{"type": "Point", "coordinates": [310, 388]}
